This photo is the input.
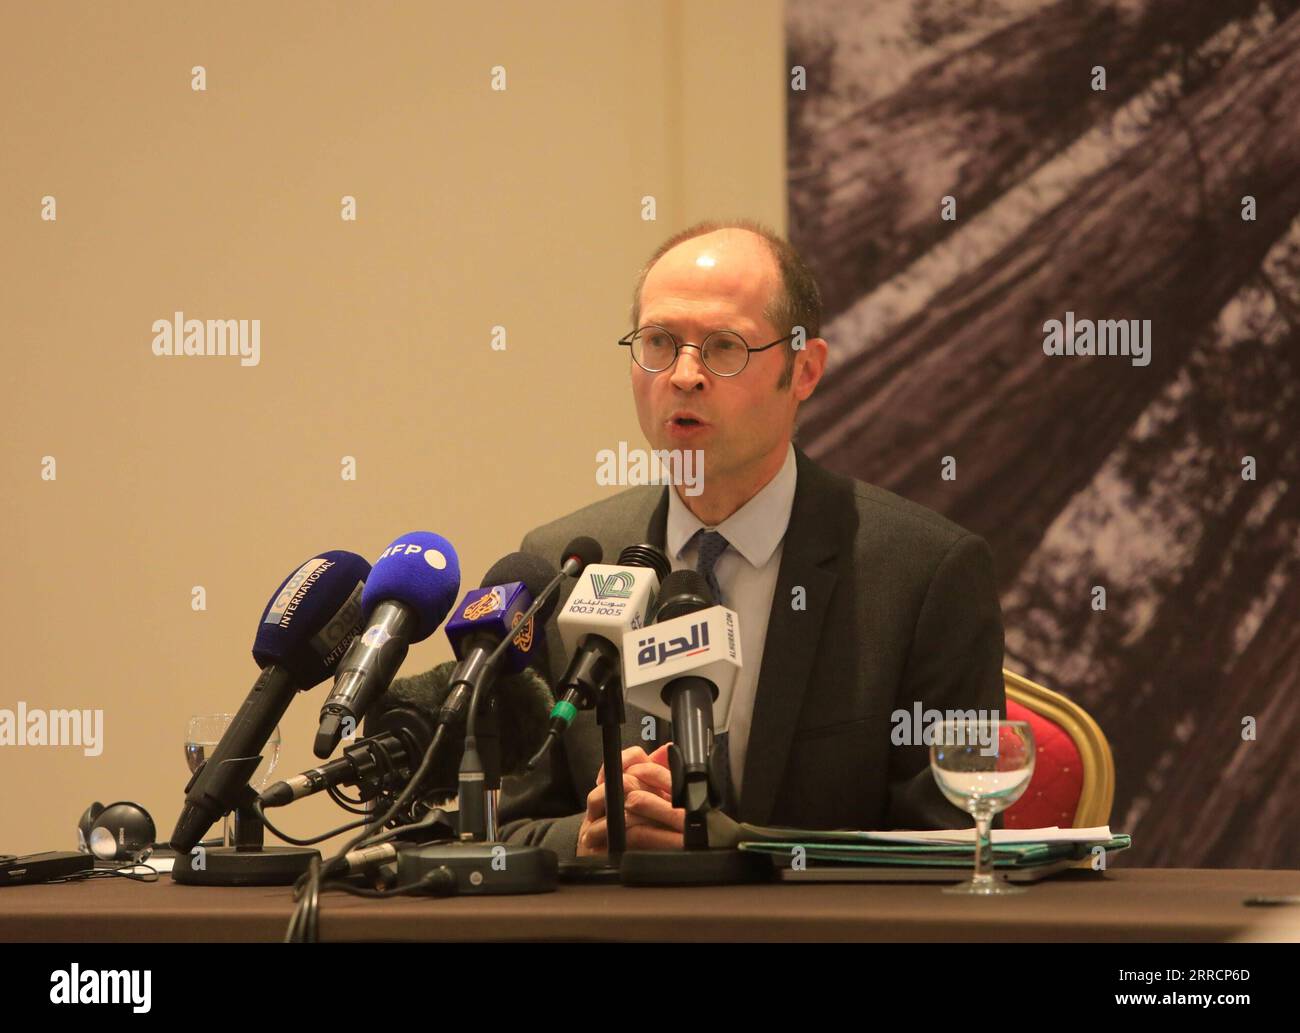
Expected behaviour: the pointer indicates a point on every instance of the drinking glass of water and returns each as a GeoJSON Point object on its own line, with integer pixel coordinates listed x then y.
{"type": "Point", "coordinates": [982, 766]}
{"type": "Point", "coordinates": [205, 731]}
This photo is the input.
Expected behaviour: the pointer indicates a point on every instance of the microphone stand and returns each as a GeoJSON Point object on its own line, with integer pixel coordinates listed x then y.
{"type": "Point", "coordinates": [600, 673]}
{"type": "Point", "coordinates": [610, 715]}
{"type": "Point", "coordinates": [248, 862]}
{"type": "Point", "coordinates": [696, 761]}
{"type": "Point", "coordinates": [478, 864]}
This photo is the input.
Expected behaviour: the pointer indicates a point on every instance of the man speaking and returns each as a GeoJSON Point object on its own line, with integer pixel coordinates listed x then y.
{"type": "Point", "coordinates": [853, 603]}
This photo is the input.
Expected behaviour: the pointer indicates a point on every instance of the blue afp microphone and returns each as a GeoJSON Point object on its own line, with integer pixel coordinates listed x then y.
{"type": "Point", "coordinates": [410, 590]}
{"type": "Point", "coordinates": [307, 625]}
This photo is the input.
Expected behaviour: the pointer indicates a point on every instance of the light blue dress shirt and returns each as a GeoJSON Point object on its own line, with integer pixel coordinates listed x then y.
{"type": "Point", "coordinates": [746, 573]}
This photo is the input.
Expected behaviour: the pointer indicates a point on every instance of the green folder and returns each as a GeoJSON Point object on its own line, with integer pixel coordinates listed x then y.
{"type": "Point", "coordinates": [930, 855]}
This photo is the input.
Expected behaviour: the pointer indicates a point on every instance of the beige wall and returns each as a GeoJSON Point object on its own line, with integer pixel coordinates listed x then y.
{"type": "Point", "coordinates": [475, 208]}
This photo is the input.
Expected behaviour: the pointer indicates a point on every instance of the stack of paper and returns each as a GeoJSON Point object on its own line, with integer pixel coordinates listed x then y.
{"type": "Point", "coordinates": [943, 848]}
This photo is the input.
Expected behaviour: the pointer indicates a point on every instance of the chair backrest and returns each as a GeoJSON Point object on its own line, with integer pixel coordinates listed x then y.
{"type": "Point", "coordinates": [1074, 772]}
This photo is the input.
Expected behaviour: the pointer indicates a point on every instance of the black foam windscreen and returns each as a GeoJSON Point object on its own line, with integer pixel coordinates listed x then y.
{"type": "Point", "coordinates": [682, 592]}
{"type": "Point", "coordinates": [422, 694]}
{"type": "Point", "coordinates": [532, 570]}
{"type": "Point", "coordinates": [586, 550]}
{"type": "Point", "coordinates": [524, 702]}
{"type": "Point", "coordinates": [646, 555]}
{"type": "Point", "coordinates": [523, 717]}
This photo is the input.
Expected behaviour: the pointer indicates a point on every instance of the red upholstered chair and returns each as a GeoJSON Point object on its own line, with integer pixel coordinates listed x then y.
{"type": "Point", "coordinates": [1074, 773]}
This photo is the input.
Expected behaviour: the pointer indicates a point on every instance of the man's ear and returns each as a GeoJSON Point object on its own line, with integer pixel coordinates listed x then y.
{"type": "Point", "coordinates": [809, 373]}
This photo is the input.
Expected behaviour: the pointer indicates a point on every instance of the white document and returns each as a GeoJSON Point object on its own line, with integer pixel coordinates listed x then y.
{"type": "Point", "coordinates": [1054, 834]}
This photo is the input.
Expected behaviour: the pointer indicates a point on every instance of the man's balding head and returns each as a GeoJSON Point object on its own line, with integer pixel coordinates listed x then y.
{"type": "Point", "coordinates": [728, 276]}
{"type": "Point", "coordinates": [792, 299]}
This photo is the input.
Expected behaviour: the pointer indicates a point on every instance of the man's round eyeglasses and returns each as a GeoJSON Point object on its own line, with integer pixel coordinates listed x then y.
{"type": "Point", "coordinates": [724, 352]}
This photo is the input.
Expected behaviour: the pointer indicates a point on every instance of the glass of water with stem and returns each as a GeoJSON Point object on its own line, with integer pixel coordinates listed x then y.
{"type": "Point", "coordinates": [201, 738]}
{"type": "Point", "coordinates": [983, 766]}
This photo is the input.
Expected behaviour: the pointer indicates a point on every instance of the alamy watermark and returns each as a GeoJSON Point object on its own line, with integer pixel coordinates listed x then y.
{"type": "Point", "coordinates": [918, 727]}
{"type": "Point", "coordinates": [1130, 337]}
{"type": "Point", "coordinates": [73, 985]}
{"type": "Point", "coordinates": [33, 727]}
{"type": "Point", "coordinates": [635, 466]}
{"type": "Point", "coordinates": [181, 336]}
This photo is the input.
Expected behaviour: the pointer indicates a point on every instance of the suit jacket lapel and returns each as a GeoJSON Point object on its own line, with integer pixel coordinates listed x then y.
{"type": "Point", "coordinates": [656, 532]}
{"type": "Point", "coordinates": [812, 541]}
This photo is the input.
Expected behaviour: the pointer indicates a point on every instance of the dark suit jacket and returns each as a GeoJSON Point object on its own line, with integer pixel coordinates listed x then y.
{"type": "Point", "coordinates": [901, 607]}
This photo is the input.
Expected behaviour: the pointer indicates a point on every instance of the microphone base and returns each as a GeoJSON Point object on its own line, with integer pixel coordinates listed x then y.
{"type": "Point", "coordinates": [483, 869]}
{"type": "Point", "coordinates": [227, 866]}
{"type": "Point", "coordinates": [592, 869]}
{"type": "Point", "coordinates": [694, 868]}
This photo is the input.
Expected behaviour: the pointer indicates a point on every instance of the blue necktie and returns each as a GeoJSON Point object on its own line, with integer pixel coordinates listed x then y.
{"type": "Point", "coordinates": [712, 545]}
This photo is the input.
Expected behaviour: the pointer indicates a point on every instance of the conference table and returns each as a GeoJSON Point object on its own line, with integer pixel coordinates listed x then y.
{"type": "Point", "coordinates": [1120, 904]}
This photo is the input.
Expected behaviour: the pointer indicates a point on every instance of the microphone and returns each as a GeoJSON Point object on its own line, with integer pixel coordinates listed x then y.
{"type": "Point", "coordinates": [493, 623]}
{"type": "Point", "coordinates": [474, 640]}
{"type": "Point", "coordinates": [490, 613]}
{"type": "Point", "coordinates": [413, 585]}
{"type": "Point", "coordinates": [305, 629]}
{"type": "Point", "coordinates": [519, 703]}
{"type": "Point", "coordinates": [403, 722]}
{"type": "Point", "coordinates": [609, 600]}
{"type": "Point", "coordinates": [489, 632]}
{"type": "Point", "coordinates": [524, 701]}
{"type": "Point", "coordinates": [579, 554]}
{"type": "Point", "coordinates": [684, 667]}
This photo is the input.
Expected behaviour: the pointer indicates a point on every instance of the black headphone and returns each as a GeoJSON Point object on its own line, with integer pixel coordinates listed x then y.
{"type": "Point", "coordinates": [122, 831]}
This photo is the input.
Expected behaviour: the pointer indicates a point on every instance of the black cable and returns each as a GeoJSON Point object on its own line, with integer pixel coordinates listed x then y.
{"type": "Point", "coordinates": [111, 873]}
{"type": "Point", "coordinates": [347, 804]}
{"type": "Point", "coordinates": [346, 799]}
{"type": "Point", "coordinates": [293, 933]}
{"type": "Point", "coordinates": [300, 921]}
{"type": "Point", "coordinates": [257, 807]}
{"type": "Point", "coordinates": [429, 819]}
{"type": "Point", "coordinates": [304, 921]}
{"type": "Point", "coordinates": [440, 882]}
{"type": "Point", "coordinates": [402, 799]}
{"type": "Point", "coordinates": [313, 907]}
